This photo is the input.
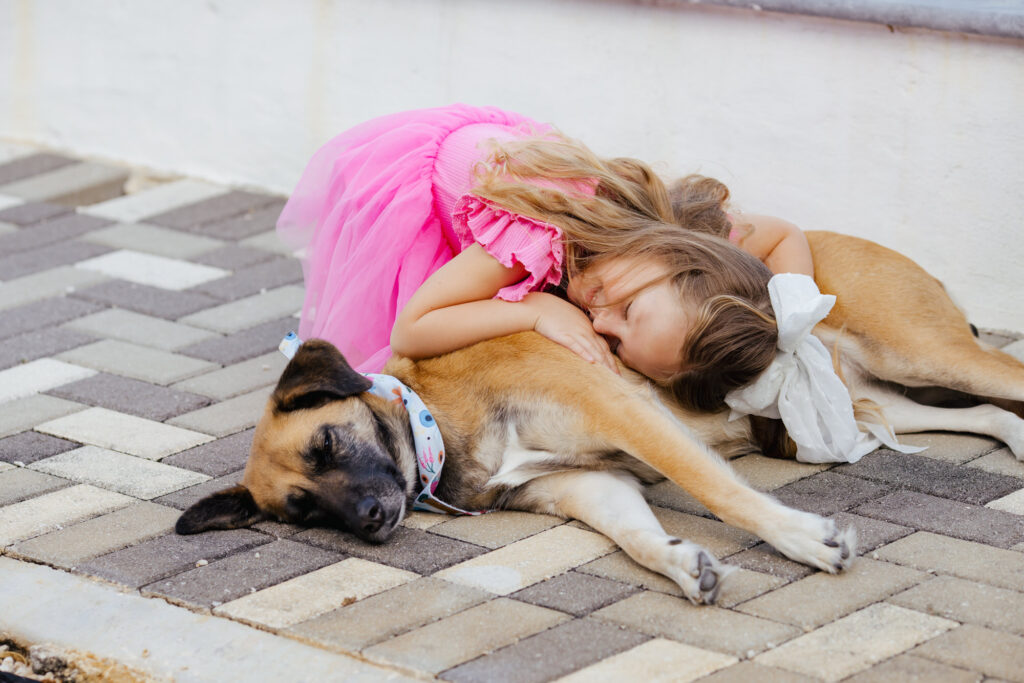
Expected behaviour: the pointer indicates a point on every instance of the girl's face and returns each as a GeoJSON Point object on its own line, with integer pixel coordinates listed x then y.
{"type": "Point", "coordinates": [634, 305]}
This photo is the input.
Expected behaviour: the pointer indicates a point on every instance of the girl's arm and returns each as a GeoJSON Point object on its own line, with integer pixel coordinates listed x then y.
{"type": "Point", "coordinates": [779, 244]}
{"type": "Point", "coordinates": [454, 308]}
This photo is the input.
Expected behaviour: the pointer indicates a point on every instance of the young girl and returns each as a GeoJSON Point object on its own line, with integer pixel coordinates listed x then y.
{"type": "Point", "coordinates": [430, 230]}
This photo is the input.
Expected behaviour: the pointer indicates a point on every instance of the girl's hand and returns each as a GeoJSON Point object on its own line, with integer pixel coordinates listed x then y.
{"type": "Point", "coordinates": [563, 323]}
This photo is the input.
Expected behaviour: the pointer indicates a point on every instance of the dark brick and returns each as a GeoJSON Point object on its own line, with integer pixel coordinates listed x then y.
{"type": "Point", "coordinates": [827, 493]}
{"type": "Point", "coordinates": [130, 396]}
{"type": "Point", "coordinates": [33, 164]}
{"type": "Point", "coordinates": [56, 229]}
{"type": "Point", "coordinates": [50, 256]}
{"type": "Point", "coordinates": [244, 225]}
{"type": "Point", "coordinates": [162, 303]}
{"type": "Point", "coordinates": [186, 497]}
{"type": "Point", "coordinates": [215, 458]}
{"type": "Point", "coordinates": [167, 555]}
{"type": "Point", "coordinates": [549, 654]}
{"type": "Point", "coordinates": [410, 549]}
{"type": "Point", "coordinates": [871, 533]}
{"type": "Point", "coordinates": [28, 447]}
{"type": "Point", "coordinates": [23, 348]}
{"type": "Point", "coordinates": [234, 257]}
{"type": "Point", "coordinates": [767, 560]}
{"type": "Point", "coordinates": [218, 208]}
{"type": "Point", "coordinates": [243, 345]}
{"type": "Point", "coordinates": [947, 517]}
{"type": "Point", "coordinates": [40, 314]}
{"type": "Point", "coordinates": [575, 593]}
{"type": "Point", "coordinates": [32, 213]}
{"type": "Point", "coordinates": [946, 480]}
{"type": "Point", "coordinates": [248, 281]}
{"type": "Point", "coordinates": [241, 573]}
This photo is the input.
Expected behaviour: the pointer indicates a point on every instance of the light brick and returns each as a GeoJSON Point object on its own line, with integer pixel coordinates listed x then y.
{"type": "Point", "coordinates": [18, 483]}
{"type": "Point", "coordinates": [708, 627]}
{"type": "Point", "coordinates": [140, 329]}
{"type": "Point", "coordinates": [119, 472]}
{"type": "Point", "coordinates": [996, 654]}
{"type": "Point", "coordinates": [968, 560]}
{"type": "Point", "coordinates": [390, 613]}
{"type": "Point", "coordinates": [148, 269]}
{"type": "Point", "coordinates": [54, 282]}
{"type": "Point", "coordinates": [718, 538]}
{"type": "Point", "coordinates": [137, 362]}
{"type": "Point", "coordinates": [250, 311]}
{"type": "Point", "coordinates": [495, 529]}
{"type": "Point", "coordinates": [821, 598]}
{"type": "Point", "coordinates": [237, 379]}
{"type": "Point", "coordinates": [459, 638]}
{"type": "Point", "coordinates": [151, 239]}
{"type": "Point", "coordinates": [17, 416]}
{"type": "Point", "coordinates": [1000, 461]}
{"type": "Point", "coordinates": [124, 433]}
{"type": "Point", "coordinates": [656, 661]}
{"type": "Point", "coordinates": [668, 494]}
{"type": "Point", "coordinates": [525, 562]}
{"type": "Point", "coordinates": [949, 447]}
{"type": "Point", "coordinates": [911, 669]}
{"type": "Point", "coordinates": [55, 510]}
{"type": "Point", "coordinates": [226, 417]}
{"type": "Point", "coordinates": [968, 602]}
{"type": "Point", "coordinates": [310, 595]}
{"type": "Point", "coordinates": [154, 200]}
{"type": "Point", "coordinates": [267, 241]}
{"type": "Point", "coordinates": [80, 183]}
{"type": "Point", "coordinates": [38, 376]}
{"type": "Point", "coordinates": [768, 474]}
{"type": "Point", "coordinates": [1013, 502]}
{"type": "Point", "coordinates": [99, 535]}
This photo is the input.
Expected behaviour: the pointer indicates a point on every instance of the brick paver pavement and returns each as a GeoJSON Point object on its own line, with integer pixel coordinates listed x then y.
{"type": "Point", "coordinates": [139, 336]}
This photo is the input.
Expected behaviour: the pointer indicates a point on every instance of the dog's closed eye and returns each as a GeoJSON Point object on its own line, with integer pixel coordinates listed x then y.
{"type": "Point", "coordinates": [298, 506]}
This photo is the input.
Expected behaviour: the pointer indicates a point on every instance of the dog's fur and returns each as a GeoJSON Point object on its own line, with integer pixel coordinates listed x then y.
{"type": "Point", "coordinates": [528, 425]}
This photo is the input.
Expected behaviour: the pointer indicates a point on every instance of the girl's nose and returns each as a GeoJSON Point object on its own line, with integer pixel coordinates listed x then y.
{"type": "Point", "coordinates": [603, 323]}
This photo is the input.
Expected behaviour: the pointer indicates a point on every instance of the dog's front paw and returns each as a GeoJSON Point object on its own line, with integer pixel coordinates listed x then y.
{"type": "Point", "coordinates": [696, 571]}
{"type": "Point", "coordinates": [815, 541]}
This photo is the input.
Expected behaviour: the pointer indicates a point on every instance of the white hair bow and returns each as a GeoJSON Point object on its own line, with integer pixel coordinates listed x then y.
{"type": "Point", "coordinates": [802, 388]}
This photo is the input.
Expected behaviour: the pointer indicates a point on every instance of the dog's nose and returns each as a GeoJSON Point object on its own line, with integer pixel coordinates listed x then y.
{"type": "Point", "coordinates": [371, 515]}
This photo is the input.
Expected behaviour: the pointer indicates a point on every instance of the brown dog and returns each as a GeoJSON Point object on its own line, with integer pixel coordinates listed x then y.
{"type": "Point", "coordinates": [528, 425]}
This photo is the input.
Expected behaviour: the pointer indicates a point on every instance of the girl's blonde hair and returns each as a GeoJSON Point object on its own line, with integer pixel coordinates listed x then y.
{"type": "Point", "coordinates": [620, 207]}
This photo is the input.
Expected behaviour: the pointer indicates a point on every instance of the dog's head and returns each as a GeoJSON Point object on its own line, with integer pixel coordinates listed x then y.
{"type": "Point", "coordinates": [323, 454]}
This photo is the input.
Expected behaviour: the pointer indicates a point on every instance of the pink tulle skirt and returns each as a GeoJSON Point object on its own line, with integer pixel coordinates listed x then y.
{"type": "Point", "coordinates": [364, 220]}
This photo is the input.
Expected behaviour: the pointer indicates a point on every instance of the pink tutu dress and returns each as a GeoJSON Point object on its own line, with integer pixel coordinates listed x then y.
{"type": "Point", "coordinates": [382, 206]}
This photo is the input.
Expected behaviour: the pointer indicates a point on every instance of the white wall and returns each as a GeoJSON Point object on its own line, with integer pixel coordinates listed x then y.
{"type": "Point", "coordinates": [912, 138]}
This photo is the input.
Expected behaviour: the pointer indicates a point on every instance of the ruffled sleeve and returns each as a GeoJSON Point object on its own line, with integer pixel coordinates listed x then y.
{"type": "Point", "coordinates": [511, 238]}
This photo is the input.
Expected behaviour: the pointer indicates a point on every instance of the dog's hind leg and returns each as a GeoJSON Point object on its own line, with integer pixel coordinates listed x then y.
{"type": "Point", "coordinates": [906, 416]}
{"type": "Point", "coordinates": [612, 504]}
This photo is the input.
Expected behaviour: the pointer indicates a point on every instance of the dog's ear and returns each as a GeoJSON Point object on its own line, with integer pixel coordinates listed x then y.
{"type": "Point", "coordinates": [318, 373]}
{"type": "Point", "coordinates": [231, 508]}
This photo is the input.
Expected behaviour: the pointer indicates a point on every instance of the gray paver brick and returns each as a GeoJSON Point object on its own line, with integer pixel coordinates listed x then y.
{"type": "Point", "coordinates": [764, 558]}
{"type": "Point", "coordinates": [252, 310]}
{"type": "Point", "coordinates": [712, 628]}
{"type": "Point", "coordinates": [217, 208]}
{"type": "Point", "coordinates": [138, 362]}
{"type": "Point", "coordinates": [23, 348]}
{"type": "Point", "coordinates": [152, 239]}
{"type": "Point", "coordinates": [745, 672]}
{"type": "Point", "coordinates": [911, 669]}
{"type": "Point", "coordinates": [32, 164]}
{"type": "Point", "coordinates": [233, 257]}
{"type": "Point", "coordinates": [30, 213]}
{"type": "Point", "coordinates": [555, 652]}
{"type": "Point", "coordinates": [59, 254]}
{"type": "Point", "coordinates": [19, 484]}
{"type": "Point", "coordinates": [80, 183]}
{"type": "Point", "coordinates": [253, 279]}
{"type": "Point", "coordinates": [186, 497]}
{"type": "Point", "coordinates": [74, 544]}
{"type": "Point", "coordinates": [968, 602]}
{"type": "Point", "coordinates": [575, 593]}
{"type": "Point", "coordinates": [236, 379]}
{"type": "Point", "coordinates": [131, 396]}
{"type": "Point", "coordinates": [966, 484]}
{"type": "Point", "coordinates": [242, 573]}
{"type": "Point", "coordinates": [410, 549]}
{"type": "Point", "coordinates": [466, 635]}
{"type": "Point", "coordinates": [136, 477]}
{"type": "Point", "coordinates": [978, 649]}
{"type": "Point", "coordinates": [164, 556]}
{"type": "Point", "coordinates": [495, 529]}
{"type": "Point", "coordinates": [154, 301]}
{"type": "Point", "coordinates": [871, 533]}
{"type": "Point", "coordinates": [32, 317]}
{"type": "Point", "coordinates": [28, 447]}
{"type": "Point", "coordinates": [966, 559]}
{"type": "Point", "coordinates": [38, 286]}
{"type": "Point", "coordinates": [268, 241]}
{"type": "Point", "coordinates": [949, 447]}
{"type": "Point", "coordinates": [215, 458]}
{"type": "Point", "coordinates": [243, 345]}
{"type": "Point", "coordinates": [226, 417]}
{"type": "Point", "coordinates": [137, 328]}
{"type": "Point", "coordinates": [244, 225]}
{"type": "Point", "coordinates": [828, 493]}
{"type": "Point", "coordinates": [1000, 461]}
{"type": "Point", "coordinates": [17, 416]}
{"type": "Point", "coordinates": [124, 433]}
{"type": "Point", "coordinates": [382, 616]}
{"type": "Point", "coordinates": [973, 523]}
{"type": "Point", "coordinates": [154, 200]}
{"type": "Point", "coordinates": [56, 509]}
{"type": "Point", "coordinates": [669, 495]}
{"type": "Point", "coordinates": [57, 227]}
